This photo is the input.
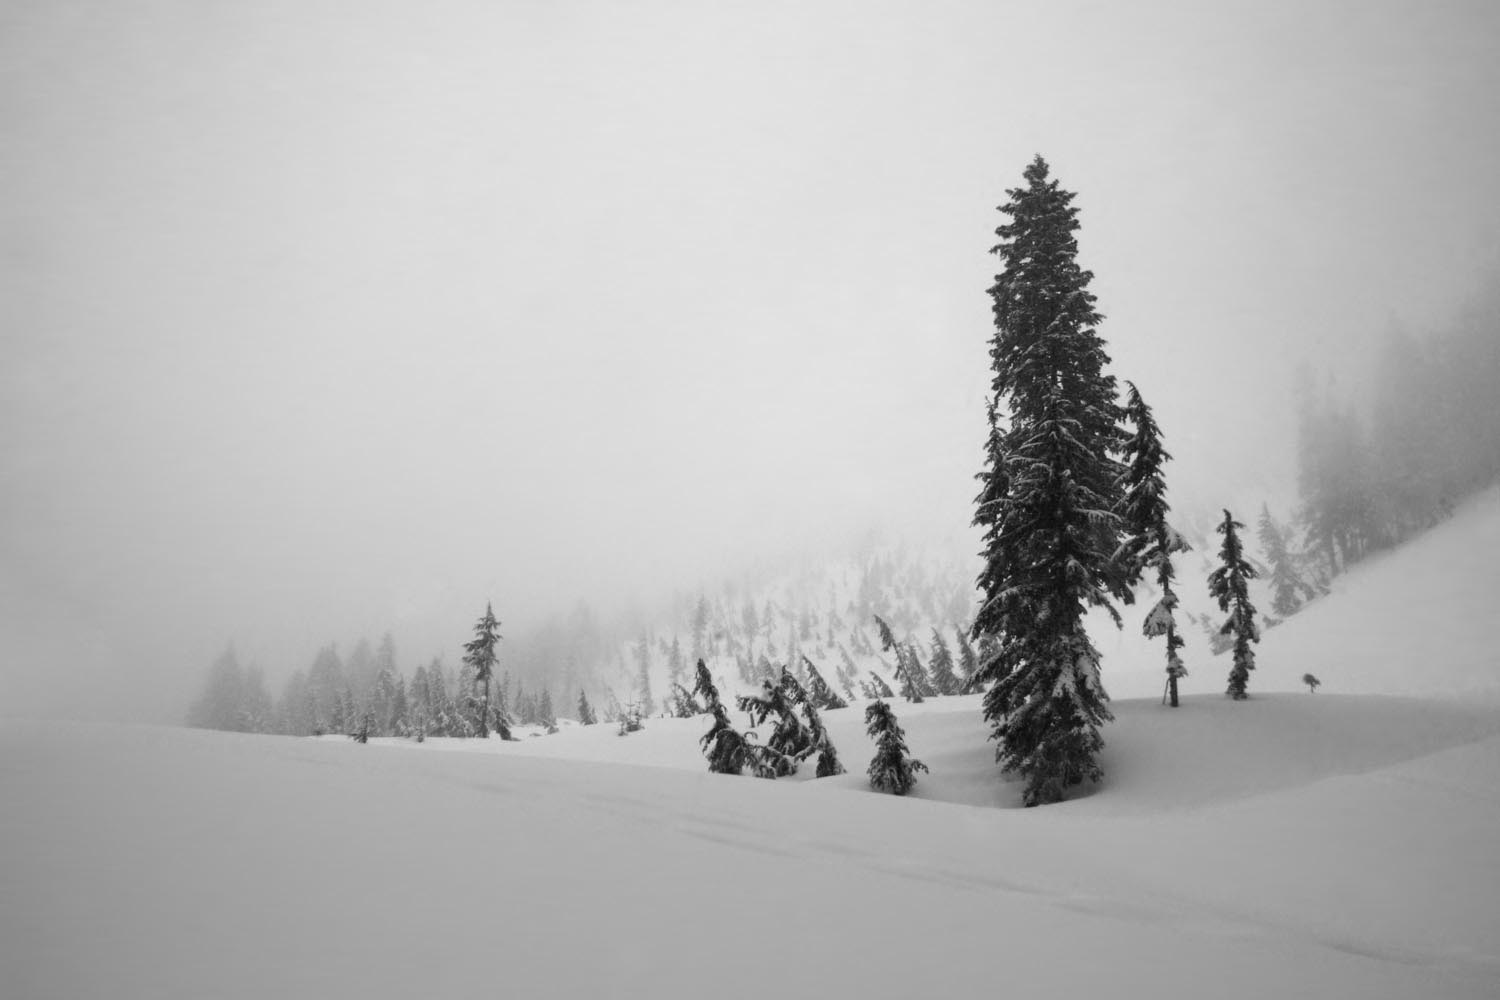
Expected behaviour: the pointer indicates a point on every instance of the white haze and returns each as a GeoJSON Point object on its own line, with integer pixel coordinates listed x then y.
{"type": "Point", "coordinates": [323, 319]}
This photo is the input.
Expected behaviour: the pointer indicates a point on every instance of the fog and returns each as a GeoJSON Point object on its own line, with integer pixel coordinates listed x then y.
{"type": "Point", "coordinates": [321, 320]}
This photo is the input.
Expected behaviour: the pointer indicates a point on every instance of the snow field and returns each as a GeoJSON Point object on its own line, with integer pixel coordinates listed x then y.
{"type": "Point", "coordinates": [147, 862]}
{"type": "Point", "coordinates": [1339, 844]}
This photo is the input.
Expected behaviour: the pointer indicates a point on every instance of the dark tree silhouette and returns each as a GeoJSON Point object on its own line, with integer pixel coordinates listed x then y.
{"type": "Point", "coordinates": [1049, 500]}
{"type": "Point", "coordinates": [1229, 585]}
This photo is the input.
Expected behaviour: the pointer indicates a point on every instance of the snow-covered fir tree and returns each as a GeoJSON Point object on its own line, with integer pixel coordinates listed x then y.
{"type": "Point", "coordinates": [968, 663]}
{"type": "Point", "coordinates": [944, 680]}
{"type": "Point", "coordinates": [1049, 500]}
{"type": "Point", "coordinates": [790, 741]}
{"type": "Point", "coordinates": [1289, 591]}
{"type": "Point", "coordinates": [1149, 540]}
{"type": "Point", "coordinates": [723, 746]}
{"type": "Point", "coordinates": [646, 705]}
{"type": "Point", "coordinates": [586, 716]}
{"type": "Point", "coordinates": [479, 656]}
{"type": "Point", "coordinates": [822, 744]}
{"type": "Point", "coordinates": [233, 698]}
{"type": "Point", "coordinates": [818, 690]}
{"type": "Point", "coordinates": [892, 769]}
{"type": "Point", "coordinates": [911, 687]}
{"type": "Point", "coordinates": [1230, 586]}
{"type": "Point", "coordinates": [681, 703]}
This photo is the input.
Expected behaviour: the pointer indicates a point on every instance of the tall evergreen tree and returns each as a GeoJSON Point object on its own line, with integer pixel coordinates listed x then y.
{"type": "Point", "coordinates": [222, 704]}
{"type": "Point", "coordinates": [1229, 585]}
{"type": "Point", "coordinates": [443, 717]}
{"type": "Point", "coordinates": [479, 655]}
{"type": "Point", "coordinates": [325, 682]}
{"type": "Point", "coordinates": [419, 704]}
{"type": "Point", "coordinates": [1149, 539]}
{"type": "Point", "coordinates": [647, 704]}
{"type": "Point", "coordinates": [399, 724]}
{"type": "Point", "coordinates": [676, 667]}
{"type": "Point", "coordinates": [383, 700]}
{"type": "Point", "coordinates": [1049, 500]}
{"type": "Point", "coordinates": [700, 628]}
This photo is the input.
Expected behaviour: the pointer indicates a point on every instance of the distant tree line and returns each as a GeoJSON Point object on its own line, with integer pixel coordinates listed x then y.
{"type": "Point", "coordinates": [367, 693]}
{"type": "Point", "coordinates": [1430, 439]}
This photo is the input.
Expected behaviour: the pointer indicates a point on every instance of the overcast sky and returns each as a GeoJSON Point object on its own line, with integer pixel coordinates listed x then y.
{"type": "Point", "coordinates": [325, 318]}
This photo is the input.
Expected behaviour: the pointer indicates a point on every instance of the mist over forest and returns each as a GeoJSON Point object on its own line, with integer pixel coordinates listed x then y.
{"type": "Point", "coordinates": [317, 332]}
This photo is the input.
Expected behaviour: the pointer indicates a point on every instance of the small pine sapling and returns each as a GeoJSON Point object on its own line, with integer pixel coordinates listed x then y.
{"type": "Point", "coordinates": [1229, 585]}
{"type": "Point", "coordinates": [892, 769]}
{"type": "Point", "coordinates": [1311, 682]}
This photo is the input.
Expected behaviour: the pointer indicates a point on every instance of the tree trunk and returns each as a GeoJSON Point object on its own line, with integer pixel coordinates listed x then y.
{"type": "Point", "coordinates": [484, 714]}
{"type": "Point", "coordinates": [1172, 689]}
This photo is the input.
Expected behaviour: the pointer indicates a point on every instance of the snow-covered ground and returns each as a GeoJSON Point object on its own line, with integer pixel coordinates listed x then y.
{"type": "Point", "coordinates": [1297, 845]}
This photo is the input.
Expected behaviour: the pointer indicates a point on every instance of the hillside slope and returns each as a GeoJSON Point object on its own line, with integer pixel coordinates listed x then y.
{"type": "Point", "coordinates": [1417, 620]}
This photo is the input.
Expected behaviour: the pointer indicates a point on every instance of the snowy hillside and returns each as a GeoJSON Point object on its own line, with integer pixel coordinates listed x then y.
{"type": "Point", "coordinates": [1372, 635]}
{"type": "Point", "coordinates": [1333, 845]}
{"type": "Point", "coordinates": [1379, 632]}
{"type": "Point", "coordinates": [1418, 620]}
